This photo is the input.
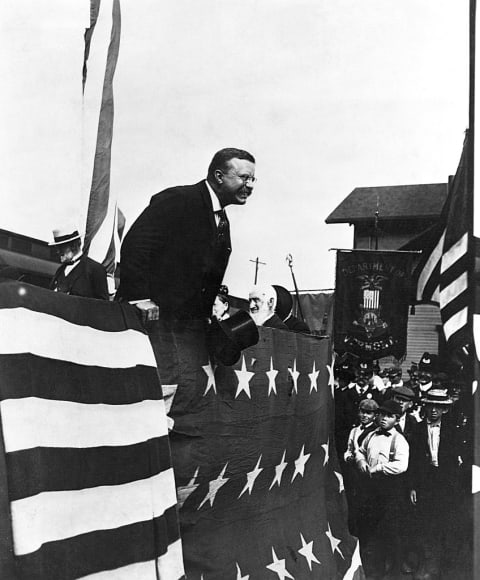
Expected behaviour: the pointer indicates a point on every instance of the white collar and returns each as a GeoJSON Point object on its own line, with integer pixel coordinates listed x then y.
{"type": "Point", "coordinates": [215, 201]}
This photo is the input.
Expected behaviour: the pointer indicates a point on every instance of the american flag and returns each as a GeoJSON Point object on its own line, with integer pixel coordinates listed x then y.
{"type": "Point", "coordinates": [259, 484]}
{"type": "Point", "coordinates": [89, 481]}
{"type": "Point", "coordinates": [443, 274]}
{"type": "Point", "coordinates": [105, 221]}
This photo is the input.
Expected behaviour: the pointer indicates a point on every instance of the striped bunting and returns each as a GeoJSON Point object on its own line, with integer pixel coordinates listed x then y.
{"type": "Point", "coordinates": [443, 273]}
{"type": "Point", "coordinates": [104, 220]}
{"type": "Point", "coordinates": [90, 482]}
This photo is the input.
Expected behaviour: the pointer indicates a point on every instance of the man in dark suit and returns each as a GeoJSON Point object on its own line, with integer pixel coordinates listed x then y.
{"type": "Point", "coordinates": [262, 301]}
{"type": "Point", "coordinates": [172, 264]}
{"type": "Point", "coordinates": [175, 254]}
{"type": "Point", "coordinates": [78, 275]}
{"type": "Point", "coordinates": [434, 480]}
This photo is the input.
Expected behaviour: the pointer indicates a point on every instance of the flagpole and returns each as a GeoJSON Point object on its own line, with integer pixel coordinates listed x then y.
{"type": "Point", "coordinates": [289, 259]}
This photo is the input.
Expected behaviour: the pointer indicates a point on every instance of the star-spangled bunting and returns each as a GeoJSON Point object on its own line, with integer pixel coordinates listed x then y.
{"type": "Point", "coordinates": [214, 486]}
{"type": "Point", "coordinates": [210, 372]}
{"type": "Point", "coordinates": [333, 541]}
{"type": "Point", "coordinates": [272, 374]}
{"type": "Point", "coordinates": [278, 566]}
{"type": "Point", "coordinates": [300, 463]}
{"type": "Point", "coordinates": [279, 469]}
{"type": "Point", "coordinates": [239, 574]}
{"type": "Point", "coordinates": [307, 552]}
{"type": "Point", "coordinates": [251, 477]}
{"type": "Point", "coordinates": [244, 377]}
{"type": "Point", "coordinates": [339, 476]}
{"type": "Point", "coordinates": [313, 378]}
{"type": "Point", "coordinates": [326, 448]}
{"type": "Point", "coordinates": [294, 374]}
{"type": "Point", "coordinates": [185, 491]}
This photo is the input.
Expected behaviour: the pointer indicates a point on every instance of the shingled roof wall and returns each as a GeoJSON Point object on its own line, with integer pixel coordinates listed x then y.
{"type": "Point", "coordinates": [394, 202]}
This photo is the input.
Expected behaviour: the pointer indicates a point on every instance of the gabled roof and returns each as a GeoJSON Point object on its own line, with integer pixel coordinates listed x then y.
{"type": "Point", "coordinates": [423, 201]}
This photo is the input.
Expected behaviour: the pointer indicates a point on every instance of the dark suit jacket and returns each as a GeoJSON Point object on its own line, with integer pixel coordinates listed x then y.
{"type": "Point", "coordinates": [411, 428]}
{"type": "Point", "coordinates": [448, 451]}
{"type": "Point", "coordinates": [88, 279]}
{"type": "Point", "coordinates": [172, 254]}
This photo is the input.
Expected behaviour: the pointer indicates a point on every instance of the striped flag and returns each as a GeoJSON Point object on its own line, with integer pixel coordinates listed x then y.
{"type": "Point", "coordinates": [102, 43]}
{"type": "Point", "coordinates": [89, 480]}
{"type": "Point", "coordinates": [446, 265]}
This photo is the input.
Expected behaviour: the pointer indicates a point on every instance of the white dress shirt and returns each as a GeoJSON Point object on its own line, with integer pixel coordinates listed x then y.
{"type": "Point", "coordinates": [375, 452]}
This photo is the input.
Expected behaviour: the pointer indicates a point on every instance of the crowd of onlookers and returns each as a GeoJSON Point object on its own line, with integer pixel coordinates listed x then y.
{"type": "Point", "coordinates": [405, 448]}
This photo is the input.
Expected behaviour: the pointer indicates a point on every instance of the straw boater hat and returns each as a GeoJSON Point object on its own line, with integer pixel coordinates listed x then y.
{"type": "Point", "coordinates": [437, 397]}
{"type": "Point", "coordinates": [64, 236]}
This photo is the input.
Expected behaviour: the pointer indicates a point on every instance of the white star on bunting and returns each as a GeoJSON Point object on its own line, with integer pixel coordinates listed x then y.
{"type": "Point", "coordinates": [300, 463]}
{"type": "Point", "coordinates": [294, 374]}
{"type": "Point", "coordinates": [279, 469]}
{"type": "Point", "coordinates": [239, 574]}
{"type": "Point", "coordinates": [251, 477]}
{"type": "Point", "coordinates": [307, 552]}
{"type": "Point", "coordinates": [326, 449]}
{"type": "Point", "coordinates": [313, 378]}
{"type": "Point", "coordinates": [244, 377]}
{"type": "Point", "coordinates": [185, 491]}
{"type": "Point", "coordinates": [331, 378]}
{"type": "Point", "coordinates": [334, 542]}
{"type": "Point", "coordinates": [271, 374]}
{"type": "Point", "coordinates": [210, 372]}
{"type": "Point", "coordinates": [339, 476]}
{"type": "Point", "coordinates": [278, 566]}
{"type": "Point", "coordinates": [214, 486]}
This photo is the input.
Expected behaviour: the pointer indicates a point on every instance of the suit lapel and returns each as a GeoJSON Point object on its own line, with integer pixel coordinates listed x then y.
{"type": "Point", "coordinates": [71, 278]}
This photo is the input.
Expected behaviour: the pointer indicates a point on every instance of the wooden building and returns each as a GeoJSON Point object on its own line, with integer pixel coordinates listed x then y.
{"type": "Point", "coordinates": [395, 218]}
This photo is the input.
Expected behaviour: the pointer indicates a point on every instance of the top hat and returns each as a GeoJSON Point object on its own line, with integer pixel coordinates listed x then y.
{"type": "Point", "coordinates": [62, 236]}
{"type": "Point", "coordinates": [227, 338]}
{"type": "Point", "coordinates": [437, 397]}
{"type": "Point", "coordinates": [391, 406]}
{"type": "Point", "coordinates": [284, 302]}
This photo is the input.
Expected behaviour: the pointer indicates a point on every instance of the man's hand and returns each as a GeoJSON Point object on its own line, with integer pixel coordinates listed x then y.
{"type": "Point", "coordinates": [150, 310]}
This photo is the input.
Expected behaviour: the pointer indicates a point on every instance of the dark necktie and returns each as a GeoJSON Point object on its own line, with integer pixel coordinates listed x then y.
{"type": "Point", "coordinates": [222, 226]}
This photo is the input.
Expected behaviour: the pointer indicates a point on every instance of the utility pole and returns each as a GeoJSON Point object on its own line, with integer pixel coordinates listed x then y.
{"type": "Point", "coordinates": [257, 262]}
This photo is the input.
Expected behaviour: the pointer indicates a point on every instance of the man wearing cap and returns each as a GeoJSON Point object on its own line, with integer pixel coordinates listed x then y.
{"type": "Point", "coordinates": [434, 479]}
{"type": "Point", "coordinates": [262, 301]}
{"type": "Point", "coordinates": [78, 275]}
{"type": "Point", "coordinates": [407, 424]}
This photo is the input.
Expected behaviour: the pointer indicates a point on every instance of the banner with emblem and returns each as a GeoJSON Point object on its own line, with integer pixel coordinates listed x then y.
{"type": "Point", "coordinates": [372, 296]}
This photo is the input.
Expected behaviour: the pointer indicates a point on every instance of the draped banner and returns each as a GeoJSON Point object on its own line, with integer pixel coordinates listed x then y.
{"type": "Point", "coordinates": [87, 486]}
{"type": "Point", "coordinates": [258, 480]}
{"type": "Point", "coordinates": [372, 296]}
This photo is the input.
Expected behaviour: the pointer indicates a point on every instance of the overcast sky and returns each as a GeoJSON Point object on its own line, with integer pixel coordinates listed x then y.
{"type": "Point", "coordinates": [328, 95]}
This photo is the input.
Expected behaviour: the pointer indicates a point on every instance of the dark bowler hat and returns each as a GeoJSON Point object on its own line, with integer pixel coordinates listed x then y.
{"type": "Point", "coordinates": [404, 392]}
{"type": "Point", "coordinates": [62, 236]}
{"type": "Point", "coordinates": [437, 397]}
{"type": "Point", "coordinates": [428, 362]}
{"type": "Point", "coordinates": [284, 302]}
{"type": "Point", "coordinates": [227, 338]}
{"type": "Point", "coordinates": [391, 406]}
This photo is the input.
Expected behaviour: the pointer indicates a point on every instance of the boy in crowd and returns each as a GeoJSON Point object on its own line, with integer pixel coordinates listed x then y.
{"type": "Point", "coordinates": [381, 458]}
{"type": "Point", "coordinates": [407, 423]}
{"type": "Point", "coordinates": [366, 414]}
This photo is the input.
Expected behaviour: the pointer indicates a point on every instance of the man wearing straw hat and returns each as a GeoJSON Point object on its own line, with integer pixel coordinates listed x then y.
{"type": "Point", "coordinates": [435, 480]}
{"type": "Point", "coordinates": [78, 274]}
